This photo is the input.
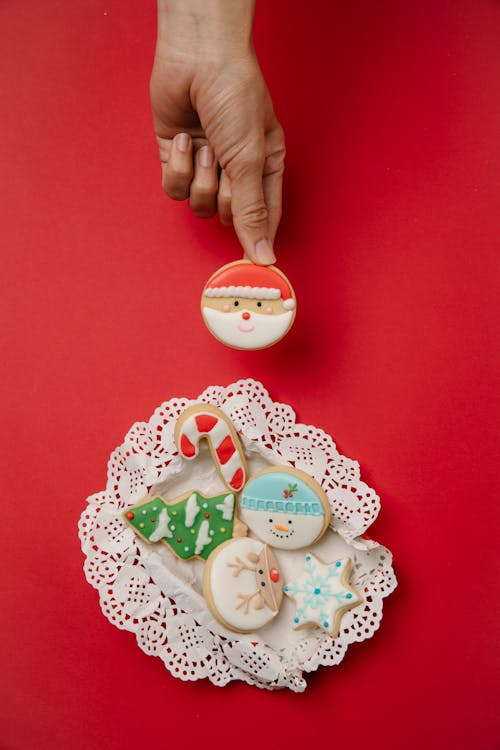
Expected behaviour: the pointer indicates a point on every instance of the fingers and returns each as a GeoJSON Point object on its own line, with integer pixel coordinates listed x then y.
{"type": "Point", "coordinates": [177, 172]}
{"type": "Point", "coordinates": [203, 191]}
{"type": "Point", "coordinates": [250, 215]}
{"type": "Point", "coordinates": [224, 200]}
{"type": "Point", "coordinates": [248, 195]}
{"type": "Point", "coordinates": [273, 178]}
{"type": "Point", "coordinates": [273, 185]}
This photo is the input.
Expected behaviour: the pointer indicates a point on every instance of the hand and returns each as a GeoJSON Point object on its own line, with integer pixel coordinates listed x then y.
{"type": "Point", "coordinates": [220, 142]}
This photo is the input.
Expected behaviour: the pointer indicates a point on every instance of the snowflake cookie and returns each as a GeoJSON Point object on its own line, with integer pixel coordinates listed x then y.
{"type": "Point", "coordinates": [322, 594]}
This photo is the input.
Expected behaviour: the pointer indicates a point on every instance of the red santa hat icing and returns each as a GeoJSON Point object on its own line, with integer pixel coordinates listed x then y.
{"type": "Point", "coordinates": [249, 281]}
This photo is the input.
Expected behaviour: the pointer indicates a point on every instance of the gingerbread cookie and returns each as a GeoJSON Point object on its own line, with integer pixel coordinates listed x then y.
{"type": "Point", "coordinates": [242, 585]}
{"type": "Point", "coordinates": [285, 507]}
{"type": "Point", "coordinates": [247, 306]}
{"type": "Point", "coordinates": [322, 594]}
{"type": "Point", "coordinates": [191, 525]}
{"type": "Point", "coordinates": [203, 421]}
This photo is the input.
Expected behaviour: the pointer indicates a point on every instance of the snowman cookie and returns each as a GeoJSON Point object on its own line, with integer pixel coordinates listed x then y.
{"type": "Point", "coordinates": [242, 585]}
{"type": "Point", "coordinates": [322, 594]}
{"type": "Point", "coordinates": [203, 421]}
{"type": "Point", "coordinates": [285, 508]}
{"type": "Point", "coordinates": [247, 306]}
{"type": "Point", "coordinates": [192, 525]}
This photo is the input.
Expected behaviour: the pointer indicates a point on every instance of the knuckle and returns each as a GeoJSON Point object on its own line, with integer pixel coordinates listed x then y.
{"type": "Point", "coordinates": [176, 192]}
{"type": "Point", "coordinates": [253, 215]}
{"type": "Point", "coordinates": [202, 211]}
{"type": "Point", "coordinates": [226, 219]}
{"type": "Point", "coordinates": [224, 203]}
{"type": "Point", "coordinates": [249, 158]}
{"type": "Point", "coordinates": [203, 193]}
{"type": "Point", "coordinates": [249, 162]}
{"type": "Point", "coordinates": [177, 172]}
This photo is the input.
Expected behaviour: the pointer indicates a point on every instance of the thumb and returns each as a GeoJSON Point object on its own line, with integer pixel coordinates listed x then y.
{"type": "Point", "coordinates": [250, 215]}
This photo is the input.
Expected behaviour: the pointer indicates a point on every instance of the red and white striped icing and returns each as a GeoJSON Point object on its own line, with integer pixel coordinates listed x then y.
{"type": "Point", "coordinates": [225, 450]}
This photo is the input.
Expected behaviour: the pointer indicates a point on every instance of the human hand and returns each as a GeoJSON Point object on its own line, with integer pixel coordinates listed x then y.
{"type": "Point", "coordinates": [220, 143]}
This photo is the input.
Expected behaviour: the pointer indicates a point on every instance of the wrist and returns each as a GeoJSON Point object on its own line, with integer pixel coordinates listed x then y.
{"type": "Point", "coordinates": [205, 29]}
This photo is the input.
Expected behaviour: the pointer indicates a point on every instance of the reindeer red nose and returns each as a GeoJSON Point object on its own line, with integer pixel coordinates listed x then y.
{"type": "Point", "coordinates": [274, 575]}
{"type": "Point", "coordinates": [245, 315]}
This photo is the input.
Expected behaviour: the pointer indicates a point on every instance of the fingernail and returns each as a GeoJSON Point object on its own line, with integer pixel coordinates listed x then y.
{"type": "Point", "coordinates": [206, 156]}
{"type": "Point", "coordinates": [264, 252]}
{"type": "Point", "coordinates": [182, 141]}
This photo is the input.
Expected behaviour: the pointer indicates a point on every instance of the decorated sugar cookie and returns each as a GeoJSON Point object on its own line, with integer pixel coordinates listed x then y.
{"type": "Point", "coordinates": [322, 594]}
{"type": "Point", "coordinates": [210, 423]}
{"type": "Point", "coordinates": [242, 585]}
{"type": "Point", "coordinates": [191, 526]}
{"type": "Point", "coordinates": [248, 306]}
{"type": "Point", "coordinates": [285, 507]}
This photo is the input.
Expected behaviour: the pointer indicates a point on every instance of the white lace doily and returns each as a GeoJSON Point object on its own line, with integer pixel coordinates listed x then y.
{"type": "Point", "coordinates": [145, 589]}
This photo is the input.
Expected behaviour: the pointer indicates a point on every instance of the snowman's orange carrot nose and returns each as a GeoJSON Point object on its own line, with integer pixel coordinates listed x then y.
{"type": "Point", "coordinates": [280, 527]}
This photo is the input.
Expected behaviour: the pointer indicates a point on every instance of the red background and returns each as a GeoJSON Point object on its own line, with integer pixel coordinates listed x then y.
{"type": "Point", "coordinates": [390, 236]}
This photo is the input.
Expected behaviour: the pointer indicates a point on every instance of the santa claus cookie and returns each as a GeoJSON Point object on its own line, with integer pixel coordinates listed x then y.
{"type": "Point", "coordinates": [242, 585]}
{"type": "Point", "coordinates": [248, 306]}
{"type": "Point", "coordinates": [203, 421]}
{"type": "Point", "coordinates": [192, 525]}
{"type": "Point", "coordinates": [285, 507]}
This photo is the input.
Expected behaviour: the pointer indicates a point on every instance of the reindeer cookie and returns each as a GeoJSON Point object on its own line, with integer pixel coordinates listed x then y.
{"type": "Point", "coordinates": [242, 585]}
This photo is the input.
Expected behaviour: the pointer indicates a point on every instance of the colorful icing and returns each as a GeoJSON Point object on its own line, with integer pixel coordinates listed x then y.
{"type": "Point", "coordinates": [285, 508]}
{"type": "Point", "coordinates": [192, 510]}
{"type": "Point", "coordinates": [227, 507]}
{"type": "Point", "coordinates": [239, 587]}
{"type": "Point", "coordinates": [232, 305]}
{"type": "Point", "coordinates": [202, 421]}
{"type": "Point", "coordinates": [264, 330]}
{"type": "Point", "coordinates": [182, 528]}
{"type": "Point", "coordinates": [322, 594]}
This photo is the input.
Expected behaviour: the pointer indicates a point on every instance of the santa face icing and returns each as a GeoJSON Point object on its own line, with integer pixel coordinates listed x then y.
{"type": "Point", "coordinates": [247, 306]}
{"type": "Point", "coordinates": [285, 508]}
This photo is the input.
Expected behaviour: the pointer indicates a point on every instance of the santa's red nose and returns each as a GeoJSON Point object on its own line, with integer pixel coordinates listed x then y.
{"type": "Point", "coordinates": [245, 315]}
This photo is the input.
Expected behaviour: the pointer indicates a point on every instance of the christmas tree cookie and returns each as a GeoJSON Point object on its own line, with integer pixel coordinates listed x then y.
{"type": "Point", "coordinates": [191, 526]}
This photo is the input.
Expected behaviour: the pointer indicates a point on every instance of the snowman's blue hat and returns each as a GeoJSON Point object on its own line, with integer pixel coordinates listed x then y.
{"type": "Point", "coordinates": [304, 508]}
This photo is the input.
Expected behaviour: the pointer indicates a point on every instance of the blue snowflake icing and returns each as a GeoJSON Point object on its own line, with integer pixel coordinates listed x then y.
{"type": "Point", "coordinates": [316, 590]}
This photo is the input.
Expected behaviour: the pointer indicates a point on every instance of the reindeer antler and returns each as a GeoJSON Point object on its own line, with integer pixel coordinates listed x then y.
{"type": "Point", "coordinates": [240, 565]}
{"type": "Point", "coordinates": [247, 598]}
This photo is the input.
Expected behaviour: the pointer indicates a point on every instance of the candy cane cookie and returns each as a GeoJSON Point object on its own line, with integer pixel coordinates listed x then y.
{"type": "Point", "coordinates": [203, 421]}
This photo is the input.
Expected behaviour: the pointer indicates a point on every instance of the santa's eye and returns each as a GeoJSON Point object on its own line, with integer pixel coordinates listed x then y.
{"type": "Point", "coordinates": [236, 303]}
{"type": "Point", "coordinates": [259, 304]}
